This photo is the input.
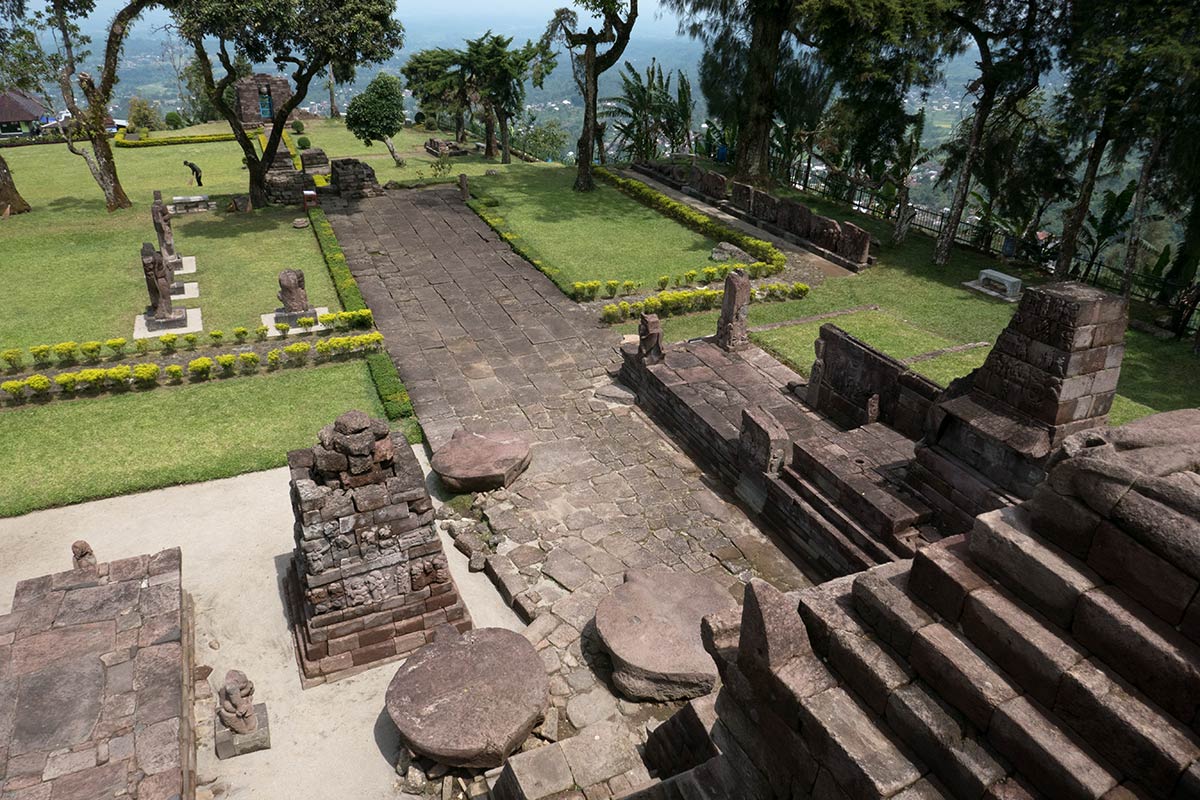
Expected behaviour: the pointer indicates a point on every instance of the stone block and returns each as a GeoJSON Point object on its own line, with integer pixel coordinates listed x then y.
{"type": "Point", "coordinates": [230, 744]}
{"type": "Point", "coordinates": [943, 576]}
{"type": "Point", "coordinates": [1055, 761]}
{"type": "Point", "coordinates": [534, 775]}
{"type": "Point", "coordinates": [943, 740]}
{"type": "Point", "coordinates": [960, 674]}
{"type": "Point", "coordinates": [1146, 651]}
{"type": "Point", "coordinates": [1135, 737]}
{"type": "Point", "coordinates": [880, 598]}
{"type": "Point", "coordinates": [1022, 644]}
{"type": "Point", "coordinates": [1144, 576]}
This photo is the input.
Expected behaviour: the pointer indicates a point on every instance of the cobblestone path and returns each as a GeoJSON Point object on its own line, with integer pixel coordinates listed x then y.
{"type": "Point", "coordinates": [483, 340]}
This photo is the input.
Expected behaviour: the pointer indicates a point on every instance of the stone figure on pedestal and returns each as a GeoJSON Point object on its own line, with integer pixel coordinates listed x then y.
{"type": "Point", "coordinates": [166, 236]}
{"type": "Point", "coordinates": [733, 330]}
{"type": "Point", "coordinates": [236, 711]}
{"type": "Point", "coordinates": [158, 286]}
{"type": "Point", "coordinates": [292, 293]}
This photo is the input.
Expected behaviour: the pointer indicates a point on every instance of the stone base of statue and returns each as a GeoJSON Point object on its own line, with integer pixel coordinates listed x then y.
{"type": "Point", "coordinates": [231, 745]}
{"type": "Point", "coordinates": [292, 318]}
{"type": "Point", "coordinates": [187, 265]}
{"type": "Point", "coordinates": [183, 320]}
{"type": "Point", "coordinates": [185, 291]}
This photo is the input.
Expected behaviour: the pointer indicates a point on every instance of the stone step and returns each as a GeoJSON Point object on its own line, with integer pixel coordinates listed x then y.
{"type": "Point", "coordinates": [1141, 648]}
{"type": "Point", "coordinates": [854, 483]}
{"type": "Point", "coordinates": [960, 673]}
{"type": "Point", "coordinates": [1004, 544]}
{"type": "Point", "coordinates": [882, 600]}
{"type": "Point", "coordinates": [882, 548]}
{"type": "Point", "coordinates": [1049, 755]}
{"type": "Point", "coordinates": [811, 533]}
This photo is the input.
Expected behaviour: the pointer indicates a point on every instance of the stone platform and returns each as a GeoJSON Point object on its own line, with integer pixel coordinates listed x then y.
{"type": "Point", "coordinates": [93, 668]}
{"type": "Point", "coordinates": [144, 328]}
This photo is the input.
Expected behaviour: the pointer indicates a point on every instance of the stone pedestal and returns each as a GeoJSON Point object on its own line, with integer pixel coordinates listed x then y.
{"type": "Point", "coordinates": [185, 320]}
{"type": "Point", "coordinates": [231, 744]}
{"type": "Point", "coordinates": [369, 582]}
{"type": "Point", "coordinates": [291, 318]}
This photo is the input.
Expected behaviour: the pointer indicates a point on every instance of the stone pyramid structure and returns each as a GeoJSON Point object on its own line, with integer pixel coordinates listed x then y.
{"type": "Point", "coordinates": [1053, 651]}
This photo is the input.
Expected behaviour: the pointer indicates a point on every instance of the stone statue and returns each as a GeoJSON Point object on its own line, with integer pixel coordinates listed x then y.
{"type": "Point", "coordinates": [236, 697]}
{"type": "Point", "coordinates": [82, 555]}
{"type": "Point", "coordinates": [733, 329]}
{"type": "Point", "coordinates": [166, 236]}
{"type": "Point", "coordinates": [158, 284]}
{"type": "Point", "coordinates": [292, 292]}
{"type": "Point", "coordinates": [650, 339]}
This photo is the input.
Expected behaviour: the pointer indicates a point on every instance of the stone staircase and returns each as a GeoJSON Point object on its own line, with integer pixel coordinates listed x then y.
{"type": "Point", "coordinates": [846, 489]}
{"type": "Point", "coordinates": [1053, 651]}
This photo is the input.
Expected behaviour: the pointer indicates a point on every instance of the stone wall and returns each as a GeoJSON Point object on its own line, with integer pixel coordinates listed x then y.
{"type": "Point", "coordinates": [370, 580]}
{"type": "Point", "coordinates": [93, 668]}
{"type": "Point", "coordinates": [843, 243]}
{"type": "Point", "coordinates": [250, 88]}
{"type": "Point", "coordinates": [855, 384]}
{"type": "Point", "coordinates": [314, 161]}
{"type": "Point", "coordinates": [287, 187]}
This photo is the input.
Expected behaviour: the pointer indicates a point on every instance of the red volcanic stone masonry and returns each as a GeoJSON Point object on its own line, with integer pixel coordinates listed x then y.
{"type": "Point", "coordinates": [93, 668]}
{"type": "Point", "coordinates": [370, 581]}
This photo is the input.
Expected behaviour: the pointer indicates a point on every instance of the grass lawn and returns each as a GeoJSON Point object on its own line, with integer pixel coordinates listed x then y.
{"type": "Point", "coordinates": [331, 136]}
{"type": "Point", "coordinates": [69, 451]}
{"type": "Point", "coordinates": [919, 296]}
{"type": "Point", "coordinates": [72, 271]}
{"type": "Point", "coordinates": [599, 236]}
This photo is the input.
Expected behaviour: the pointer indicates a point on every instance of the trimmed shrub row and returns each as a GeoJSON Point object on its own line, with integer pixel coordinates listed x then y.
{"type": "Point", "coordinates": [666, 304]}
{"type": "Point", "coordinates": [691, 218]}
{"type": "Point", "coordinates": [335, 261]}
{"type": "Point", "coordinates": [66, 353]}
{"type": "Point", "coordinates": [202, 368]}
{"type": "Point", "coordinates": [396, 402]}
{"type": "Point", "coordinates": [120, 141]}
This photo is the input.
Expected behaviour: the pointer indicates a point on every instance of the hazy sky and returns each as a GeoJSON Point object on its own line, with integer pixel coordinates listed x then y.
{"type": "Point", "coordinates": [472, 17]}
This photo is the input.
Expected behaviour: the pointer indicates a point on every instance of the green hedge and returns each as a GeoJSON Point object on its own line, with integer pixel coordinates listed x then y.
{"type": "Point", "coordinates": [335, 260]}
{"type": "Point", "coordinates": [396, 402]}
{"type": "Point", "coordinates": [120, 141]}
{"type": "Point", "coordinates": [691, 218]}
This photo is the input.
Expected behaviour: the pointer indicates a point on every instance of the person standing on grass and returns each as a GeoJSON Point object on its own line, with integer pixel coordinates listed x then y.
{"type": "Point", "coordinates": [196, 173]}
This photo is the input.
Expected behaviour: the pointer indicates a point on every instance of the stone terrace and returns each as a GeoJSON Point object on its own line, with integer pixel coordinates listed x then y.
{"type": "Point", "coordinates": [92, 666]}
{"type": "Point", "coordinates": [484, 341]}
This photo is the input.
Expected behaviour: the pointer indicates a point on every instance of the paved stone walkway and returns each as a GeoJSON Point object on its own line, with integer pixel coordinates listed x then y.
{"type": "Point", "coordinates": [483, 340]}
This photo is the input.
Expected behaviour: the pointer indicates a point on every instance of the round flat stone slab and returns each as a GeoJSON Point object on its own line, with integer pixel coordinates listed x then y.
{"type": "Point", "coordinates": [481, 462]}
{"type": "Point", "coordinates": [469, 701]}
{"type": "Point", "coordinates": [650, 625]}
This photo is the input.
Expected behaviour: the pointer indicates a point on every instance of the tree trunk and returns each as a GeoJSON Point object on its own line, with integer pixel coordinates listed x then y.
{"type": "Point", "coordinates": [754, 148]}
{"type": "Point", "coordinates": [962, 187]}
{"type": "Point", "coordinates": [1078, 213]}
{"type": "Point", "coordinates": [387, 141]}
{"type": "Point", "coordinates": [1133, 237]}
{"type": "Point", "coordinates": [587, 137]}
{"type": "Point", "coordinates": [489, 135]}
{"type": "Point", "coordinates": [10, 198]}
{"type": "Point", "coordinates": [258, 183]}
{"type": "Point", "coordinates": [505, 143]}
{"type": "Point", "coordinates": [106, 165]}
{"type": "Point", "coordinates": [333, 109]}
{"type": "Point", "coordinates": [460, 127]}
{"type": "Point", "coordinates": [904, 216]}
{"type": "Point", "coordinates": [601, 153]}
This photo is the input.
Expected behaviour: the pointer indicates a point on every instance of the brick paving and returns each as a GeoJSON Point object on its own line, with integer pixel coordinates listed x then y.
{"type": "Point", "coordinates": [483, 340]}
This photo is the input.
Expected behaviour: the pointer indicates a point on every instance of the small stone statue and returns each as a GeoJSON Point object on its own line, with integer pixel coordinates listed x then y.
{"type": "Point", "coordinates": [236, 697]}
{"type": "Point", "coordinates": [162, 226]}
{"type": "Point", "coordinates": [733, 329]}
{"type": "Point", "coordinates": [650, 339]}
{"type": "Point", "coordinates": [292, 293]}
{"type": "Point", "coordinates": [158, 284]}
{"type": "Point", "coordinates": [82, 555]}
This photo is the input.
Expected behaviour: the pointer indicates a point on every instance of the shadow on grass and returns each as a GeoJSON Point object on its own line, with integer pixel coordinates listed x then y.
{"type": "Point", "coordinates": [223, 225]}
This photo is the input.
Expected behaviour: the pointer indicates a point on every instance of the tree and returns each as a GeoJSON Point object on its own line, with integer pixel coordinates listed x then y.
{"type": "Point", "coordinates": [438, 80]}
{"type": "Point", "coordinates": [805, 87]}
{"type": "Point", "coordinates": [499, 74]}
{"type": "Point", "coordinates": [378, 113]}
{"type": "Point", "coordinates": [1109, 227]}
{"type": "Point", "coordinates": [306, 35]}
{"type": "Point", "coordinates": [331, 84]}
{"type": "Point", "coordinates": [615, 33]}
{"type": "Point", "coordinates": [90, 119]}
{"type": "Point", "coordinates": [648, 112]}
{"type": "Point", "coordinates": [144, 116]}
{"type": "Point", "coordinates": [544, 141]}
{"type": "Point", "coordinates": [15, 73]}
{"type": "Point", "coordinates": [1014, 41]}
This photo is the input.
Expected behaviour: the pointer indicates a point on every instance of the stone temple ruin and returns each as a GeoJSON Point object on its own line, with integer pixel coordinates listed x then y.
{"type": "Point", "coordinates": [369, 580]}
